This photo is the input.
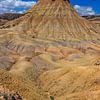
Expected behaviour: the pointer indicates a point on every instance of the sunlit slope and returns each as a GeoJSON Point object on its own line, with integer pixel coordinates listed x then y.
{"type": "Point", "coordinates": [72, 83]}
{"type": "Point", "coordinates": [14, 83]}
{"type": "Point", "coordinates": [54, 20]}
{"type": "Point", "coordinates": [38, 68]}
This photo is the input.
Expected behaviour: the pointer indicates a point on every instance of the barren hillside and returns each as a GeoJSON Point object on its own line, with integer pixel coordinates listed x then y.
{"type": "Point", "coordinates": [56, 20]}
{"type": "Point", "coordinates": [51, 53]}
{"type": "Point", "coordinates": [96, 20]}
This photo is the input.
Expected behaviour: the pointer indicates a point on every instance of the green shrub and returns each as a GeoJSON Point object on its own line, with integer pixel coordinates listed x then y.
{"type": "Point", "coordinates": [52, 98]}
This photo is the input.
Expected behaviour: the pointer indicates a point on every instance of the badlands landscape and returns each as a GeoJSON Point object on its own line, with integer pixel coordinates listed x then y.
{"type": "Point", "coordinates": [50, 53]}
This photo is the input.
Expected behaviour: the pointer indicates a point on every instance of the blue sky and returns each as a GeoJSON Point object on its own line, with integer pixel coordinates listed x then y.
{"type": "Point", "coordinates": [83, 7]}
{"type": "Point", "coordinates": [95, 4]}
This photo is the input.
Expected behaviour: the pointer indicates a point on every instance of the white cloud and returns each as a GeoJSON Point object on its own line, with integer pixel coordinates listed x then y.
{"type": "Point", "coordinates": [19, 6]}
{"type": "Point", "coordinates": [14, 5]}
{"type": "Point", "coordinates": [82, 10]}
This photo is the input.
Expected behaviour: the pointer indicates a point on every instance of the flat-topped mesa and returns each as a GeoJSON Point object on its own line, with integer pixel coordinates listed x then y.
{"type": "Point", "coordinates": [57, 20]}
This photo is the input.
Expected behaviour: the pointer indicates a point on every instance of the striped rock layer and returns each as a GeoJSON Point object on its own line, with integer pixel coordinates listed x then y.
{"type": "Point", "coordinates": [55, 20]}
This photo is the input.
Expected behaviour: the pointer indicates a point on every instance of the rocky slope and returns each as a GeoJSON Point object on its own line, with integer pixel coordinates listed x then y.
{"type": "Point", "coordinates": [6, 94]}
{"type": "Point", "coordinates": [56, 20]}
{"type": "Point", "coordinates": [39, 69]}
{"type": "Point", "coordinates": [2, 22]}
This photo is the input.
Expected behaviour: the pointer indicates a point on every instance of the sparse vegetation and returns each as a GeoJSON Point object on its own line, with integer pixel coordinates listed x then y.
{"type": "Point", "coordinates": [52, 98]}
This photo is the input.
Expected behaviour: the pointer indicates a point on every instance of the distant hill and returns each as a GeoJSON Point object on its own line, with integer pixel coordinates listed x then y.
{"type": "Point", "coordinates": [4, 18]}
{"type": "Point", "coordinates": [10, 16]}
{"type": "Point", "coordinates": [94, 18]}
{"type": "Point", "coordinates": [91, 16]}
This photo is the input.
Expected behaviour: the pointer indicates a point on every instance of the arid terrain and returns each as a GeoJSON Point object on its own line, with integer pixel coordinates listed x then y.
{"type": "Point", "coordinates": [94, 18]}
{"type": "Point", "coordinates": [50, 53]}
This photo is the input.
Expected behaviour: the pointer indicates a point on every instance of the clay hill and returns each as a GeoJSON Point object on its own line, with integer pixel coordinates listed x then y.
{"type": "Point", "coordinates": [55, 20]}
{"type": "Point", "coordinates": [50, 53]}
